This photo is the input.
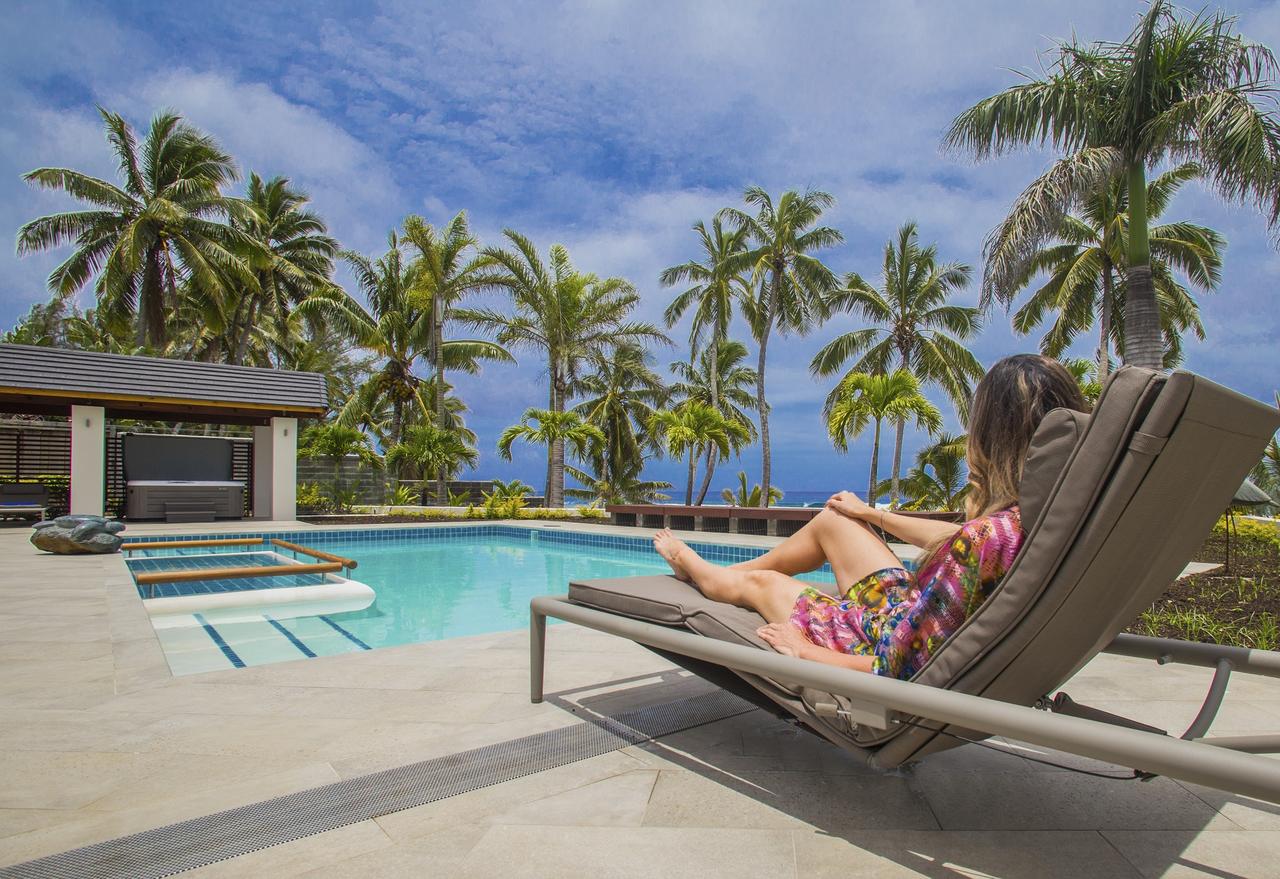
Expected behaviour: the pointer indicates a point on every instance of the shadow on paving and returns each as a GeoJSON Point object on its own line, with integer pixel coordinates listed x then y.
{"type": "Point", "coordinates": [999, 814]}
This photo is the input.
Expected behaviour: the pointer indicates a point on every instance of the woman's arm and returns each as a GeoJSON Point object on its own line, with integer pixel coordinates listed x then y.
{"type": "Point", "coordinates": [790, 641]}
{"type": "Point", "coordinates": [915, 530]}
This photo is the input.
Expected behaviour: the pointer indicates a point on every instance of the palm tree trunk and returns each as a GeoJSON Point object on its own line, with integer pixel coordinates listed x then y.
{"type": "Point", "coordinates": [242, 344]}
{"type": "Point", "coordinates": [397, 420]}
{"type": "Point", "coordinates": [1142, 340]}
{"type": "Point", "coordinates": [706, 477]}
{"type": "Point", "coordinates": [693, 469]}
{"type": "Point", "coordinates": [437, 342]}
{"type": "Point", "coordinates": [551, 404]}
{"type": "Point", "coordinates": [766, 460]}
{"type": "Point", "coordinates": [897, 450]}
{"type": "Point", "coordinates": [875, 459]}
{"type": "Point", "coordinates": [555, 497]}
{"type": "Point", "coordinates": [1104, 321]}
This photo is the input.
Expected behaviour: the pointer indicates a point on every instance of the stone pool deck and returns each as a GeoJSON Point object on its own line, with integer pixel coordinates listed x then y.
{"type": "Point", "coordinates": [98, 740]}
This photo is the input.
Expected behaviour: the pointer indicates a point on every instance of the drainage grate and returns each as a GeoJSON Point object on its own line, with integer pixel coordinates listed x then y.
{"type": "Point", "coordinates": [186, 845]}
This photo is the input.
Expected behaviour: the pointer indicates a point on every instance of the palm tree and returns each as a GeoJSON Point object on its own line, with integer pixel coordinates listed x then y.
{"type": "Point", "coordinates": [395, 329]}
{"type": "Point", "coordinates": [433, 451]}
{"type": "Point", "coordinates": [939, 479]}
{"type": "Point", "coordinates": [1087, 375]}
{"type": "Point", "coordinates": [552, 429]}
{"type": "Point", "coordinates": [299, 260]}
{"type": "Point", "coordinates": [444, 277]}
{"type": "Point", "coordinates": [571, 317]}
{"type": "Point", "coordinates": [915, 327]}
{"type": "Point", "coordinates": [162, 226]}
{"type": "Point", "coordinates": [861, 398]}
{"type": "Point", "coordinates": [790, 283]}
{"type": "Point", "coordinates": [335, 442]}
{"type": "Point", "coordinates": [720, 380]}
{"type": "Point", "coordinates": [696, 429]}
{"type": "Point", "coordinates": [1178, 88]}
{"type": "Point", "coordinates": [625, 488]}
{"type": "Point", "coordinates": [621, 393]}
{"type": "Point", "coordinates": [749, 495]}
{"type": "Point", "coordinates": [1086, 264]}
{"type": "Point", "coordinates": [716, 282]}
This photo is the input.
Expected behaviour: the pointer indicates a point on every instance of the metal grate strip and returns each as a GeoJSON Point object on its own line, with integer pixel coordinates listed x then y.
{"type": "Point", "coordinates": [186, 845]}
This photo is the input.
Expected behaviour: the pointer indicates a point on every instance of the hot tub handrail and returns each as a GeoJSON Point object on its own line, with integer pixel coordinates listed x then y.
{"type": "Point", "coordinates": [315, 553]}
{"type": "Point", "coordinates": [151, 578]}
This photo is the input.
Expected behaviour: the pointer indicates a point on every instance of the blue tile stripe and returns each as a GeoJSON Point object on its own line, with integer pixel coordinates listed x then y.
{"type": "Point", "coordinates": [230, 654]}
{"type": "Point", "coordinates": [344, 633]}
{"type": "Point", "coordinates": [293, 639]}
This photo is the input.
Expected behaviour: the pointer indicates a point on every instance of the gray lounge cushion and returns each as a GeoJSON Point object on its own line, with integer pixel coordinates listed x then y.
{"type": "Point", "coordinates": [1051, 449]}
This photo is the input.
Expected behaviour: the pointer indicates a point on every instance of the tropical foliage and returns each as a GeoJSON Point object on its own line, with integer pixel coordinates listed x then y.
{"type": "Point", "coordinates": [694, 430]}
{"type": "Point", "coordinates": [749, 495]}
{"type": "Point", "coordinates": [1179, 88]}
{"type": "Point", "coordinates": [434, 452]}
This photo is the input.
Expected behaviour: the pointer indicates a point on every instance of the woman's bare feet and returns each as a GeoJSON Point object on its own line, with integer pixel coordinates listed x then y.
{"type": "Point", "coordinates": [670, 547]}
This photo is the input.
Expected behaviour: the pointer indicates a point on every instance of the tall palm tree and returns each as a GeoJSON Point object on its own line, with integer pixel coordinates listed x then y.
{"type": "Point", "coordinates": [547, 427]}
{"type": "Point", "coordinates": [716, 282]}
{"type": "Point", "coordinates": [696, 429]}
{"type": "Point", "coordinates": [720, 380]}
{"type": "Point", "coordinates": [1178, 88]}
{"type": "Point", "coordinates": [1085, 263]}
{"type": "Point", "coordinates": [444, 277]}
{"type": "Point", "coordinates": [162, 226]}
{"type": "Point", "coordinates": [915, 327]}
{"type": "Point", "coordinates": [862, 398]}
{"type": "Point", "coordinates": [790, 284]}
{"type": "Point", "coordinates": [432, 451]}
{"type": "Point", "coordinates": [394, 329]}
{"type": "Point", "coordinates": [571, 317]}
{"type": "Point", "coordinates": [299, 259]}
{"type": "Point", "coordinates": [621, 394]}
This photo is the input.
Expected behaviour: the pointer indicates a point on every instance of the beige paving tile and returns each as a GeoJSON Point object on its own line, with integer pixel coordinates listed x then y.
{"type": "Point", "coordinates": [1026, 800]}
{"type": "Point", "coordinates": [16, 821]}
{"type": "Point", "coordinates": [1211, 853]}
{"type": "Point", "coordinates": [61, 780]}
{"type": "Point", "coordinates": [437, 856]}
{"type": "Point", "coordinates": [1243, 811]}
{"type": "Point", "coordinates": [145, 810]}
{"type": "Point", "coordinates": [630, 852]}
{"type": "Point", "coordinates": [302, 856]}
{"type": "Point", "coordinates": [785, 800]}
{"type": "Point", "coordinates": [967, 855]}
{"type": "Point", "coordinates": [619, 801]}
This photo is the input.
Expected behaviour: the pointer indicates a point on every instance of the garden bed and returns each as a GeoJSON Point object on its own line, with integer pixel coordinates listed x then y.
{"type": "Point", "coordinates": [1238, 607]}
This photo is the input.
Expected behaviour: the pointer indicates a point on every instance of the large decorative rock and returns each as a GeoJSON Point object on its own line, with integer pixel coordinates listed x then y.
{"type": "Point", "coordinates": [78, 535]}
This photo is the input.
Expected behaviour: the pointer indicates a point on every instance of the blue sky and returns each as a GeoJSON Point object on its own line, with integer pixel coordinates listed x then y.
{"type": "Point", "coordinates": [609, 127]}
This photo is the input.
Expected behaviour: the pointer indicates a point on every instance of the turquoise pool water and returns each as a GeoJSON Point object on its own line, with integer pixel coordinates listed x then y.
{"type": "Point", "coordinates": [429, 586]}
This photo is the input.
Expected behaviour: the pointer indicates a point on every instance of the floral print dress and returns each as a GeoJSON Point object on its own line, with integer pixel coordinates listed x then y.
{"type": "Point", "coordinates": [900, 619]}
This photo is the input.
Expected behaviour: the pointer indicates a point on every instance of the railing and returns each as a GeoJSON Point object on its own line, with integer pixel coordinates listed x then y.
{"type": "Point", "coordinates": [328, 563]}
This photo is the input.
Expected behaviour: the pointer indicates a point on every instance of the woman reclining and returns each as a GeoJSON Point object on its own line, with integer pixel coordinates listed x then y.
{"type": "Point", "coordinates": [889, 621]}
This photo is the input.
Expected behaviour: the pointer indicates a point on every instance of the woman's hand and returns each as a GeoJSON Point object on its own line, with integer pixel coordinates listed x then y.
{"type": "Point", "coordinates": [785, 638]}
{"type": "Point", "coordinates": [846, 503]}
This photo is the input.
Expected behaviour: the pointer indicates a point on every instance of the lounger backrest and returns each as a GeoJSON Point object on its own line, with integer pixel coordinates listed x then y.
{"type": "Point", "coordinates": [1155, 466]}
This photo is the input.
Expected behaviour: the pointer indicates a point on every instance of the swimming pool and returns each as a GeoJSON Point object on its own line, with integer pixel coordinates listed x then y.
{"type": "Point", "coordinates": [430, 582]}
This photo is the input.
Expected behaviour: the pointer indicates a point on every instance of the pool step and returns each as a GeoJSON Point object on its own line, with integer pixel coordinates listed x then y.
{"type": "Point", "coordinates": [204, 646]}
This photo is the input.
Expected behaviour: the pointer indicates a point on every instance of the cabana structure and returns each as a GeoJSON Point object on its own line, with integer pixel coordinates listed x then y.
{"type": "Point", "coordinates": [91, 387]}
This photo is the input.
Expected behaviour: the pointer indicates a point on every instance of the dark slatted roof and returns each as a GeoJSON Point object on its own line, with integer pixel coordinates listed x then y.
{"type": "Point", "coordinates": [36, 378]}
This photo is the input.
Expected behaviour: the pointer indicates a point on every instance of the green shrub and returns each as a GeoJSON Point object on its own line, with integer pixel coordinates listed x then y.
{"type": "Point", "coordinates": [312, 499]}
{"type": "Point", "coordinates": [403, 496]}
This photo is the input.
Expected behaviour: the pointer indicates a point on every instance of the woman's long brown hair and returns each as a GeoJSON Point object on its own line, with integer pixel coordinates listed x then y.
{"type": "Point", "coordinates": [1008, 405]}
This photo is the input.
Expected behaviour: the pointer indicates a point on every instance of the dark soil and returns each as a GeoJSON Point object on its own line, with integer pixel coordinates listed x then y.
{"type": "Point", "coordinates": [1239, 605]}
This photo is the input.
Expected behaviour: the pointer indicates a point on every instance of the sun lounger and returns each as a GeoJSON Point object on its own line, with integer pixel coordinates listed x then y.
{"type": "Point", "coordinates": [1115, 505]}
{"type": "Point", "coordinates": [23, 500]}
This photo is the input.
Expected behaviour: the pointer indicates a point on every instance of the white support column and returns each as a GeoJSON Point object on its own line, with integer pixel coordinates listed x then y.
{"type": "Point", "coordinates": [88, 460]}
{"type": "Point", "coordinates": [275, 470]}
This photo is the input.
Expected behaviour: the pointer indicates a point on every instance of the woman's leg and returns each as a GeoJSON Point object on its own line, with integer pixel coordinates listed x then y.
{"type": "Point", "coordinates": [851, 547]}
{"type": "Point", "coordinates": [768, 593]}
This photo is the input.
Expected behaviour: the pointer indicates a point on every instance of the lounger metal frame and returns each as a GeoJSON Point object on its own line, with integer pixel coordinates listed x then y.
{"type": "Point", "coordinates": [1227, 763]}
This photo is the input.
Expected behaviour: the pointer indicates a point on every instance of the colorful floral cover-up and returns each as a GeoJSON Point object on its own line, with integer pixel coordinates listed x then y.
{"type": "Point", "coordinates": [899, 619]}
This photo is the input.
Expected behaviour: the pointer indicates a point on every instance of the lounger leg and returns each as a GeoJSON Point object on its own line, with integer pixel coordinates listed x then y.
{"type": "Point", "coordinates": [537, 653]}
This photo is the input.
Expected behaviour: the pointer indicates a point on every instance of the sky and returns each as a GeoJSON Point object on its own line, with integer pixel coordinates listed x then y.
{"type": "Point", "coordinates": [609, 127]}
